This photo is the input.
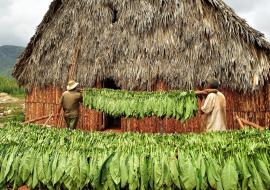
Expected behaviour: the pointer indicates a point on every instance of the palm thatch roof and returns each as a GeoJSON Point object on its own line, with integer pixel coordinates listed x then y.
{"type": "Point", "coordinates": [137, 42]}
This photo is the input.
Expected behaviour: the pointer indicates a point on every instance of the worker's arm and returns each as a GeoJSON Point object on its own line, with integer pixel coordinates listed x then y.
{"type": "Point", "coordinates": [80, 90]}
{"type": "Point", "coordinates": [60, 106]}
{"type": "Point", "coordinates": [82, 93]}
{"type": "Point", "coordinates": [208, 104]}
{"type": "Point", "coordinates": [206, 91]}
{"type": "Point", "coordinates": [200, 93]}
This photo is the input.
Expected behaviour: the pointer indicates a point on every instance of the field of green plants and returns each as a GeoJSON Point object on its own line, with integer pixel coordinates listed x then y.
{"type": "Point", "coordinates": [49, 158]}
{"type": "Point", "coordinates": [10, 86]}
{"type": "Point", "coordinates": [11, 101]}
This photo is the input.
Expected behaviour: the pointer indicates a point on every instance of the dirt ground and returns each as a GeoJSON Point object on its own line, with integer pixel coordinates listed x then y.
{"type": "Point", "coordinates": [10, 107]}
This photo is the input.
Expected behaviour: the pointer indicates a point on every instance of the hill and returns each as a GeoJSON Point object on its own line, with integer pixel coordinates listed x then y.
{"type": "Point", "coordinates": [8, 56]}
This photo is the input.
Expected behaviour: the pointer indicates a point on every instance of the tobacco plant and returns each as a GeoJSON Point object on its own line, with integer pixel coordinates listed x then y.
{"type": "Point", "coordinates": [61, 159]}
{"type": "Point", "coordinates": [172, 104]}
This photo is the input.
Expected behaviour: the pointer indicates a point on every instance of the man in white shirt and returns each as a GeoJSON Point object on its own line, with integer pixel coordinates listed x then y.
{"type": "Point", "coordinates": [214, 108]}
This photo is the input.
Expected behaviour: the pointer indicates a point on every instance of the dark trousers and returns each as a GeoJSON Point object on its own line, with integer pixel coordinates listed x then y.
{"type": "Point", "coordinates": [72, 122]}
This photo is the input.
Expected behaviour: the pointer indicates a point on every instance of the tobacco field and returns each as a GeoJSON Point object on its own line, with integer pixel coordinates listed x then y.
{"type": "Point", "coordinates": [50, 158]}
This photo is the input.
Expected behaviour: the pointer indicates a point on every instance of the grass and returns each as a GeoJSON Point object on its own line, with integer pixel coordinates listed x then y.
{"type": "Point", "coordinates": [10, 86]}
{"type": "Point", "coordinates": [17, 116]}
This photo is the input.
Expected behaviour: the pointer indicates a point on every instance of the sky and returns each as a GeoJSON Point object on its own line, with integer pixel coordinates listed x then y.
{"type": "Point", "coordinates": [19, 18]}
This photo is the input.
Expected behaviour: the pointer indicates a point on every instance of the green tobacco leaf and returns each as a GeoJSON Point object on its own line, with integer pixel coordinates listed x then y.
{"type": "Point", "coordinates": [263, 172]}
{"type": "Point", "coordinates": [201, 177]}
{"type": "Point", "coordinates": [84, 171]}
{"type": "Point", "coordinates": [144, 173]}
{"type": "Point", "coordinates": [35, 176]}
{"type": "Point", "coordinates": [40, 170]}
{"type": "Point", "coordinates": [103, 169]}
{"type": "Point", "coordinates": [211, 175]}
{"type": "Point", "coordinates": [166, 172]}
{"type": "Point", "coordinates": [55, 158]}
{"type": "Point", "coordinates": [58, 167]}
{"type": "Point", "coordinates": [3, 168]}
{"type": "Point", "coordinates": [93, 169]}
{"type": "Point", "coordinates": [173, 165]}
{"type": "Point", "coordinates": [229, 175]}
{"type": "Point", "coordinates": [257, 180]}
{"type": "Point", "coordinates": [124, 170]}
{"type": "Point", "coordinates": [9, 163]}
{"type": "Point", "coordinates": [115, 169]}
{"type": "Point", "coordinates": [158, 172]}
{"type": "Point", "coordinates": [26, 165]}
{"type": "Point", "coordinates": [151, 171]}
{"type": "Point", "coordinates": [47, 168]}
{"type": "Point", "coordinates": [133, 165]}
{"type": "Point", "coordinates": [246, 174]}
{"type": "Point", "coordinates": [188, 173]}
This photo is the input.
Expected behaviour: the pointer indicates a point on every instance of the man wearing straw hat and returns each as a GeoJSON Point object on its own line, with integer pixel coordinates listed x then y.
{"type": "Point", "coordinates": [70, 102]}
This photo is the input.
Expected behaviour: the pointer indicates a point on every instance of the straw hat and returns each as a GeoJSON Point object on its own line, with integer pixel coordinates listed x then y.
{"type": "Point", "coordinates": [71, 85]}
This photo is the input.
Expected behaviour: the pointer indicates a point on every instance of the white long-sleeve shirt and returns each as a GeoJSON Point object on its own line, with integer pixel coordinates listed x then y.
{"type": "Point", "coordinates": [215, 109]}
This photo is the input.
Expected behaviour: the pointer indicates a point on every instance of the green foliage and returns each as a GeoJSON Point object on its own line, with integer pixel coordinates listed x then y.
{"type": "Point", "coordinates": [16, 117]}
{"type": "Point", "coordinates": [8, 56]}
{"type": "Point", "coordinates": [10, 86]}
{"type": "Point", "coordinates": [60, 159]}
{"type": "Point", "coordinates": [172, 104]}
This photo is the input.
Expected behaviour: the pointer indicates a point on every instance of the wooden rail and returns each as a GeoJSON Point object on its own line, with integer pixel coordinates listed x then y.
{"type": "Point", "coordinates": [242, 121]}
{"type": "Point", "coordinates": [40, 118]}
{"type": "Point", "coordinates": [254, 125]}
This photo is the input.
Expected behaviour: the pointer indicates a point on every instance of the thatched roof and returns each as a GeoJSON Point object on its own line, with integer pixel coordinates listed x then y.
{"type": "Point", "coordinates": [137, 42]}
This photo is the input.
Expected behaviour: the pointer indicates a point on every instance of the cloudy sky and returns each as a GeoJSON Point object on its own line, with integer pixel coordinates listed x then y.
{"type": "Point", "coordinates": [19, 18]}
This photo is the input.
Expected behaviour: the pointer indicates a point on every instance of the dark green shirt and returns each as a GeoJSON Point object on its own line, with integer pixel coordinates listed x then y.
{"type": "Point", "coordinates": [70, 101]}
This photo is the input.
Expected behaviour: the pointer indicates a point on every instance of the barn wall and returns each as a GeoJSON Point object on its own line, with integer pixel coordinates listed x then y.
{"type": "Point", "coordinates": [44, 102]}
{"type": "Point", "coordinates": [255, 108]}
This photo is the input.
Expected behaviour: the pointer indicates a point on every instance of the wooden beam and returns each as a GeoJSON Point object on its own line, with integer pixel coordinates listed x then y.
{"type": "Point", "coordinates": [47, 120]}
{"type": "Point", "coordinates": [239, 122]}
{"type": "Point", "coordinates": [254, 125]}
{"type": "Point", "coordinates": [38, 119]}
